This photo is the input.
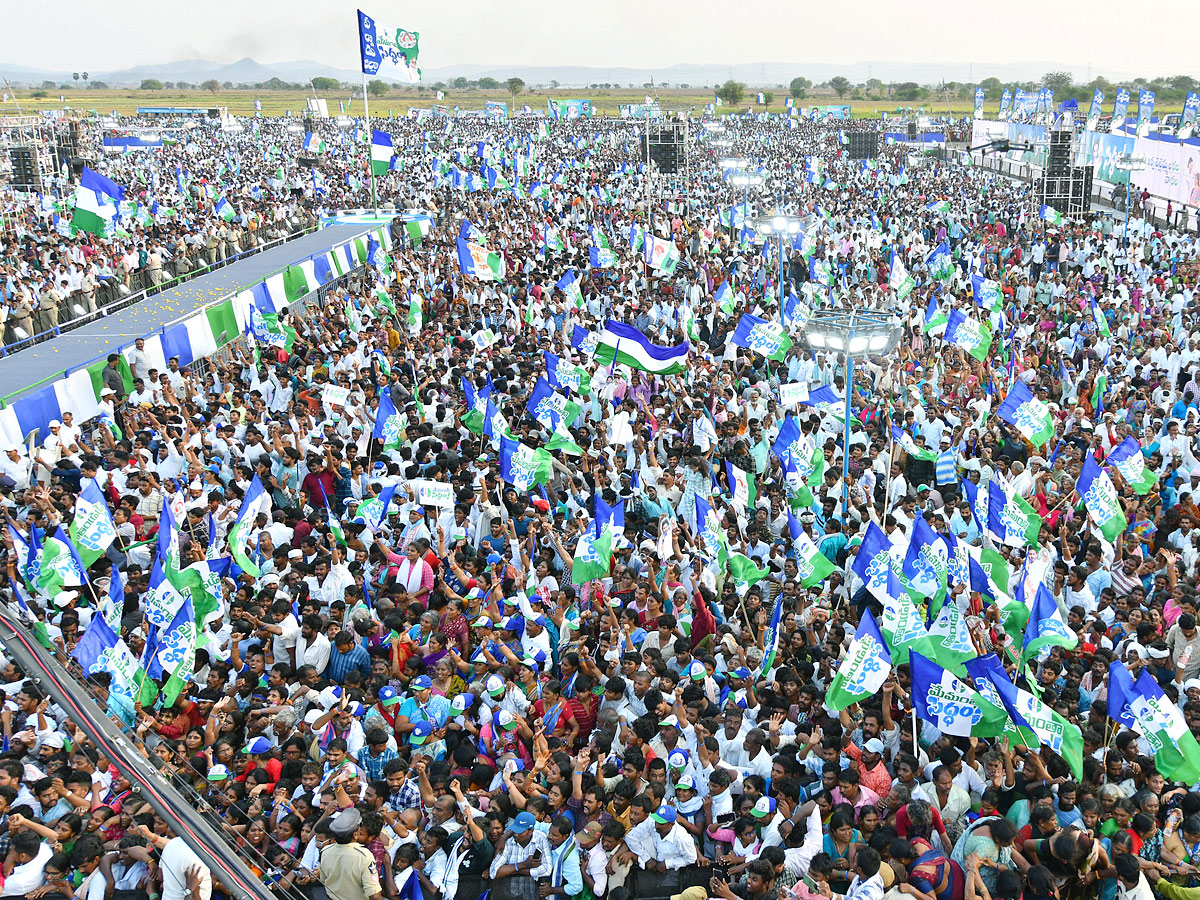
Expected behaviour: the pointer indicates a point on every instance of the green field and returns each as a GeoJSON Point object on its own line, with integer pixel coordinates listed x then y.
{"type": "Point", "coordinates": [398, 101]}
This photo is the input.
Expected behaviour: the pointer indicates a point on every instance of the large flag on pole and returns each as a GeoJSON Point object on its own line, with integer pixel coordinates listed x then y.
{"type": "Point", "coordinates": [1030, 721]}
{"type": "Point", "coordinates": [1142, 706]}
{"type": "Point", "coordinates": [387, 51]}
{"type": "Point", "coordinates": [1010, 518]}
{"type": "Point", "coordinates": [1101, 499]}
{"type": "Point", "coordinates": [1027, 414]}
{"type": "Point", "coordinates": [1046, 627]}
{"type": "Point", "coordinates": [256, 500]}
{"type": "Point", "coordinates": [950, 704]}
{"type": "Point", "coordinates": [625, 345]}
{"type": "Point", "coordinates": [864, 668]}
{"type": "Point", "coordinates": [92, 529]}
{"type": "Point", "coordinates": [1127, 458]}
{"type": "Point", "coordinates": [381, 152]}
{"type": "Point", "coordinates": [96, 202]}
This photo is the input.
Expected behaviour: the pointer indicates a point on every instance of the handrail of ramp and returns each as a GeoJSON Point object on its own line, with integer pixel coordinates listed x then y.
{"type": "Point", "coordinates": [147, 782]}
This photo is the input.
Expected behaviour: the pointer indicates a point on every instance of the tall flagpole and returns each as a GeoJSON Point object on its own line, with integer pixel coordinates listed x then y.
{"type": "Point", "coordinates": [370, 137]}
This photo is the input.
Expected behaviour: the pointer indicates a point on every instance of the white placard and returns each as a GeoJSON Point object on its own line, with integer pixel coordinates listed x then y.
{"type": "Point", "coordinates": [791, 394]}
{"type": "Point", "coordinates": [335, 395]}
{"type": "Point", "coordinates": [435, 493]}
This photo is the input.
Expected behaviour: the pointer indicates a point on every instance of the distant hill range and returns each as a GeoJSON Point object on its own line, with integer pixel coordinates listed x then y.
{"type": "Point", "coordinates": [769, 74]}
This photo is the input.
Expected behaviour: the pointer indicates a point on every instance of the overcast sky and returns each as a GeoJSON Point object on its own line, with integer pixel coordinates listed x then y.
{"type": "Point", "coordinates": [114, 34]}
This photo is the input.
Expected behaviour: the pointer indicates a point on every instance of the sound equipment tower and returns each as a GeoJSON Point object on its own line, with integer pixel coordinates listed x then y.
{"type": "Point", "coordinates": [1064, 187]}
{"type": "Point", "coordinates": [862, 144]}
{"type": "Point", "coordinates": [666, 145]}
{"type": "Point", "coordinates": [26, 170]}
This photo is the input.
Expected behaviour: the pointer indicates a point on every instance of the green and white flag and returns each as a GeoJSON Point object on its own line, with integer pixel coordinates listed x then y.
{"type": "Point", "coordinates": [562, 441]}
{"type": "Point", "coordinates": [1051, 215]}
{"type": "Point", "coordinates": [381, 152]}
{"type": "Point", "coordinates": [523, 467]}
{"type": "Point", "coordinates": [592, 556]}
{"type": "Point", "coordinates": [1029, 415]}
{"type": "Point", "coordinates": [812, 565]}
{"type": "Point", "coordinates": [484, 339]}
{"type": "Point", "coordinates": [1010, 518]}
{"type": "Point", "coordinates": [61, 567]}
{"type": "Point", "coordinates": [385, 300]}
{"type": "Point", "coordinates": [949, 641]}
{"type": "Point", "coordinates": [864, 669]}
{"type": "Point", "coordinates": [899, 280]}
{"type": "Point", "coordinates": [255, 501]}
{"type": "Point", "coordinates": [762, 336]}
{"type": "Point", "coordinates": [1143, 706]}
{"type": "Point", "coordinates": [1101, 499]}
{"type": "Point", "coordinates": [92, 529]}
{"type": "Point", "coordinates": [96, 203]}
{"type": "Point", "coordinates": [741, 486]}
{"type": "Point", "coordinates": [744, 572]}
{"type": "Point", "coordinates": [950, 704]}
{"type": "Point", "coordinates": [908, 444]}
{"type": "Point", "coordinates": [1029, 721]}
{"type": "Point", "coordinates": [416, 314]}
{"type": "Point", "coordinates": [902, 627]}
{"type": "Point", "coordinates": [972, 335]}
{"type": "Point", "coordinates": [1127, 458]}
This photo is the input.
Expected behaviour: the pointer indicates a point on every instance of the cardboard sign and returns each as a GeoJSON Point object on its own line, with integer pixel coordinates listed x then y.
{"type": "Point", "coordinates": [435, 493]}
{"type": "Point", "coordinates": [791, 394]}
{"type": "Point", "coordinates": [335, 395]}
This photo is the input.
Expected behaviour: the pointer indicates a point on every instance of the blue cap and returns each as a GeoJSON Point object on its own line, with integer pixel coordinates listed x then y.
{"type": "Point", "coordinates": [741, 672]}
{"type": "Point", "coordinates": [514, 624]}
{"type": "Point", "coordinates": [258, 746]}
{"type": "Point", "coordinates": [493, 558]}
{"type": "Point", "coordinates": [522, 823]}
{"type": "Point", "coordinates": [664, 815]}
{"type": "Point", "coordinates": [388, 696]}
{"type": "Point", "coordinates": [422, 683]}
{"type": "Point", "coordinates": [537, 620]}
{"type": "Point", "coordinates": [357, 710]}
{"type": "Point", "coordinates": [421, 731]}
{"type": "Point", "coordinates": [535, 660]}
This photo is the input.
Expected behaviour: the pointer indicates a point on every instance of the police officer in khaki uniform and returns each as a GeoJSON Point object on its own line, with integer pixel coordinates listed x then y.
{"type": "Point", "coordinates": [348, 869]}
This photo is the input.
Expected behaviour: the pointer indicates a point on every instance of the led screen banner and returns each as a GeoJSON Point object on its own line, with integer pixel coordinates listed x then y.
{"type": "Point", "coordinates": [1172, 168]}
{"type": "Point", "coordinates": [1102, 150]}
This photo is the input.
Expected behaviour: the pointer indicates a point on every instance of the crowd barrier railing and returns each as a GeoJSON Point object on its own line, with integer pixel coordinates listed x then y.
{"type": "Point", "coordinates": [117, 301]}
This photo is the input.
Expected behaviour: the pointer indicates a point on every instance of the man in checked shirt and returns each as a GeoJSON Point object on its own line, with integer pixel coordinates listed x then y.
{"type": "Point", "coordinates": [525, 851]}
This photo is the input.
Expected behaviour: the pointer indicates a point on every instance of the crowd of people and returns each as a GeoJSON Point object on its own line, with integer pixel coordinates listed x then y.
{"type": "Point", "coordinates": [634, 668]}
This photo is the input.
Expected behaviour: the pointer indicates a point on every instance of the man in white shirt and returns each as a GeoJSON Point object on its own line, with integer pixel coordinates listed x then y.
{"type": "Point", "coordinates": [178, 859]}
{"type": "Point", "coordinates": [312, 646]}
{"type": "Point", "coordinates": [14, 465]}
{"type": "Point", "coordinates": [31, 856]}
{"type": "Point", "coordinates": [673, 847]}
